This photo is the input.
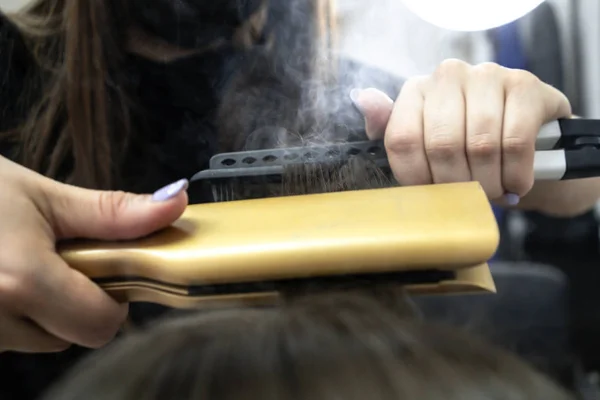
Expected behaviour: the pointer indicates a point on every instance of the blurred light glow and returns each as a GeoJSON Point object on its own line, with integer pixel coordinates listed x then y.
{"type": "Point", "coordinates": [471, 15]}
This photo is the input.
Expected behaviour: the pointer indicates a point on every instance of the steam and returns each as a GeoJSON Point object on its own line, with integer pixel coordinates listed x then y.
{"type": "Point", "coordinates": [326, 109]}
{"type": "Point", "coordinates": [296, 92]}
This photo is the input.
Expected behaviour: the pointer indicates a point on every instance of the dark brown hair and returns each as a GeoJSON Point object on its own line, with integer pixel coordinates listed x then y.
{"type": "Point", "coordinates": [315, 347]}
{"type": "Point", "coordinates": [80, 127]}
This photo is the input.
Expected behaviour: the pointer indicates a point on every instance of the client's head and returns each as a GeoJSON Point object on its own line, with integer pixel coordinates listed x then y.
{"type": "Point", "coordinates": [314, 347]}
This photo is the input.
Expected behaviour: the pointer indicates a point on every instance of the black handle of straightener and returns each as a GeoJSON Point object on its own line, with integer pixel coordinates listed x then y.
{"type": "Point", "coordinates": [568, 149]}
{"type": "Point", "coordinates": [568, 134]}
{"type": "Point", "coordinates": [582, 163]}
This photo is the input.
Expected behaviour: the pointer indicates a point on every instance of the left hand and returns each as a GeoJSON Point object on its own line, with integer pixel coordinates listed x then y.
{"type": "Point", "coordinates": [464, 123]}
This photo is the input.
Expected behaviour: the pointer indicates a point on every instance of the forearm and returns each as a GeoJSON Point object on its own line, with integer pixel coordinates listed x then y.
{"type": "Point", "coordinates": [563, 198]}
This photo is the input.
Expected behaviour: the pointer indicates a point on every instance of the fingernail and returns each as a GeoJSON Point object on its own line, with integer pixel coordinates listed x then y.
{"type": "Point", "coordinates": [354, 93]}
{"type": "Point", "coordinates": [170, 191]}
{"type": "Point", "coordinates": [512, 199]}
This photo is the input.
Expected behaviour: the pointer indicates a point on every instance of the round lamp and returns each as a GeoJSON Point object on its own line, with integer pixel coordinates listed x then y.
{"type": "Point", "coordinates": [471, 15]}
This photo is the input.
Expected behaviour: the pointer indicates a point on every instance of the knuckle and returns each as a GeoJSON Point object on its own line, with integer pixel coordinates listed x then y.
{"type": "Point", "coordinates": [18, 279]}
{"type": "Point", "coordinates": [522, 79]}
{"type": "Point", "coordinates": [404, 142]}
{"type": "Point", "coordinates": [482, 142]}
{"type": "Point", "coordinates": [451, 67]}
{"type": "Point", "coordinates": [487, 69]}
{"type": "Point", "coordinates": [516, 146]}
{"type": "Point", "coordinates": [15, 290]}
{"type": "Point", "coordinates": [442, 147]}
{"type": "Point", "coordinates": [482, 147]}
{"type": "Point", "coordinates": [111, 204]}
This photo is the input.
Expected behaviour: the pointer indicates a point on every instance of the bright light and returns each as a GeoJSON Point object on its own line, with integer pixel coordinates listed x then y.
{"type": "Point", "coordinates": [471, 15]}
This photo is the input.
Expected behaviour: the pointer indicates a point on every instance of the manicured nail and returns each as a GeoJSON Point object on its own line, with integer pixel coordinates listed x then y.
{"type": "Point", "coordinates": [170, 191]}
{"type": "Point", "coordinates": [354, 93]}
{"type": "Point", "coordinates": [512, 199]}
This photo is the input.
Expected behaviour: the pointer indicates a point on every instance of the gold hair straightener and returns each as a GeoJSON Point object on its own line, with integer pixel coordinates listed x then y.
{"type": "Point", "coordinates": [431, 239]}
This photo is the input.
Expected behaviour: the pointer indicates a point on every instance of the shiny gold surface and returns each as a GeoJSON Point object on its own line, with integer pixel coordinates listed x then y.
{"type": "Point", "coordinates": [446, 226]}
{"type": "Point", "coordinates": [475, 279]}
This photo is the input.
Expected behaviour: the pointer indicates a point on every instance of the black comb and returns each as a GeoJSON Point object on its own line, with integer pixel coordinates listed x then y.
{"type": "Point", "coordinates": [565, 149]}
{"type": "Point", "coordinates": [252, 174]}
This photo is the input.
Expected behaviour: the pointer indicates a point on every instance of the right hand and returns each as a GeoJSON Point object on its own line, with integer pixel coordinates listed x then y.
{"type": "Point", "coordinates": [45, 306]}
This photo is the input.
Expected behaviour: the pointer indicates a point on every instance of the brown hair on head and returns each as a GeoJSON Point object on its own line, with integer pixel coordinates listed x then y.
{"type": "Point", "coordinates": [357, 173]}
{"type": "Point", "coordinates": [318, 347]}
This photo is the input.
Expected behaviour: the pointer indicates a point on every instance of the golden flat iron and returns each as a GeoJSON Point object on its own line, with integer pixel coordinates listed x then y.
{"type": "Point", "coordinates": [431, 239]}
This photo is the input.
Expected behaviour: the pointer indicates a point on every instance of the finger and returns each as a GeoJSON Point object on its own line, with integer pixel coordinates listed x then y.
{"type": "Point", "coordinates": [404, 136]}
{"type": "Point", "coordinates": [112, 215]}
{"type": "Point", "coordinates": [529, 104]}
{"type": "Point", "coordinates": [376, 107]}
{"type": "Point", "coordinates": [485, 110]}
{"type": "Point", "coordinates": [556, 104]}
{"type": "Point", "coordinates": [23, 336]}
{"type": "Point", "coordinates": [444, 123]}
{"type": "Point", "coordinates": [66, 304]}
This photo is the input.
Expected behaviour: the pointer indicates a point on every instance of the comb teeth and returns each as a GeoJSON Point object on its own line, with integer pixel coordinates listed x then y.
{"type": "Point", "coordinates": [223, 192]}
{"type": "Point", "coordinates": [252, 174]}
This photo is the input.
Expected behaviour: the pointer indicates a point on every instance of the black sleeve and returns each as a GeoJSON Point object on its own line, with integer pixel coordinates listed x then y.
{"type": "Point", "coordinates": [16, 70]}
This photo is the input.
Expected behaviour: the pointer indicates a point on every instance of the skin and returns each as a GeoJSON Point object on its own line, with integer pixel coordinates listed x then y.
{"type": "Point", "coordinates": [479, 123]}
{"type": "Point", "coordinates": [45, 306]}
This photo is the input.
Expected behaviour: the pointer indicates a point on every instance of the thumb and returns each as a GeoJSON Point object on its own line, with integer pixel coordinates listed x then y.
{"type": "Point", "coordinates": [376, 107]}
{"type": "Point", "coordinates": [109, 215]}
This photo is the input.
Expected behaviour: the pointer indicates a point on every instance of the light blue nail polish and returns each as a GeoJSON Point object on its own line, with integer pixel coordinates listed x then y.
{"type": "Point", "coordinates": [170, 191]}
{"type": "Point", "coordinates": [354, 93]}
{"type": "Point", "coordinates": [512, 199]}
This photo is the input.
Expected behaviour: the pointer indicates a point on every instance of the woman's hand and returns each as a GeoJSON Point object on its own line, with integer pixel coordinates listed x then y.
{"type": "Point", "coordinates": [45, 306]}
{"type": "Point", "coordinates": [464, 123]}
